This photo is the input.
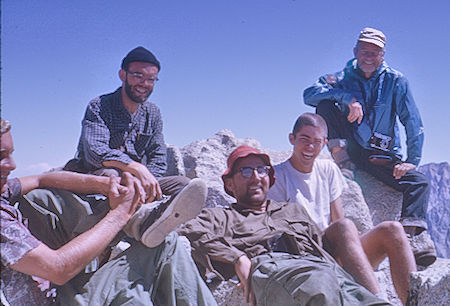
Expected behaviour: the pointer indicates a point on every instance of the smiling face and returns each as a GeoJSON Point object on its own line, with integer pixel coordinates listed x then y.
{"type": "Point", "coordinates": [7, 163]}
{"type": "Point", "coordinates": [138, 89]}
{"type": "Point", "coordinates": [249, 192]}
{"type": "Point", "coordinates": [369, 57]}
{"type": "Point", "coordinates": [307, 142]}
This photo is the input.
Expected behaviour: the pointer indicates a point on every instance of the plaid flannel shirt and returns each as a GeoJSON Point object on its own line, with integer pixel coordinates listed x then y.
{"type": "Point", "coordinates": [110, 132]}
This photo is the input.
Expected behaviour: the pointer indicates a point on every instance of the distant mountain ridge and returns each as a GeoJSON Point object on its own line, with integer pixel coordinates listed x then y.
{"type": "Point", "coordinates": [438, 213]}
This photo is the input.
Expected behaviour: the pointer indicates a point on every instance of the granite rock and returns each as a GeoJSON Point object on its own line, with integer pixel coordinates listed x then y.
{"type": "Point", "coordinates": [438, 207]}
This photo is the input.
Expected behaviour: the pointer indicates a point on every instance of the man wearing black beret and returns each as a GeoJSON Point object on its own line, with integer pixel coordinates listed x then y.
{"type": "Point", "coordinates": [122, 132]}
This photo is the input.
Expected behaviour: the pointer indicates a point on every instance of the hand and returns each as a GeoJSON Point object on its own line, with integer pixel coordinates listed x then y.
{"type": "Point", "coordinates": [331, 79]}
{"type": "Point", "coordinates": [356, 112]}
{"type": "Point", "coordinates": [148, 181]}
{"type": "Point", "coordinates": [242, 268]}
{"type": "Point", "coordinates": [123, 196]}
{"type": "Point", "coordinates": [401, 169]}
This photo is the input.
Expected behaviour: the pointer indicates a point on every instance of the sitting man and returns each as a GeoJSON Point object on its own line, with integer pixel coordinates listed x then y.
{"type": "Point", "coordinates": [361, 105]}
{"type": "Point", "coordinates": [164, 275]}
{"type": "Point", "coordinates": [274, 248]}
{"type": "Point", "coordinates": [122, 131]}
{"type": "Point", "coordinates": [317, 184]}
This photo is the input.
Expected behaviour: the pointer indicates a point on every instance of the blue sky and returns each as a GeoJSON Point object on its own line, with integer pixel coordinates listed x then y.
{"type": "Point", "coordinates": [236, 64]}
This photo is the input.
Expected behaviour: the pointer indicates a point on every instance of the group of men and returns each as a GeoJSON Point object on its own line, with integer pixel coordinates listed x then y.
{"type": "Point", "coordinates": [285, 238]}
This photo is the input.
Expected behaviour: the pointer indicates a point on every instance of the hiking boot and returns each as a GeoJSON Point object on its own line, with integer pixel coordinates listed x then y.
{"type": "Point", "coordinates": [423, 249]}
{"type": "Point", "coordinates": [176, 210]}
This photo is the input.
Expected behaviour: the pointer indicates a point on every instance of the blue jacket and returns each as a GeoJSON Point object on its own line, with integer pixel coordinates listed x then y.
{"type": "Point", "coordinates": [384, 97]}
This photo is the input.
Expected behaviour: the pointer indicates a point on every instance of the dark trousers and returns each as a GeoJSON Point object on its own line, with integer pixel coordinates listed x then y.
{"type": "Point", "coordinates": [414, 185]}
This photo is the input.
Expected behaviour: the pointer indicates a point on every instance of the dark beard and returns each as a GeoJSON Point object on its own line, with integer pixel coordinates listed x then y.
{"type": "Point", "coordinates": [132, 97]}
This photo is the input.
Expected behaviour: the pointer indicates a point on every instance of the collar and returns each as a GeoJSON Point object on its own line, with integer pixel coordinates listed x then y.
{"type": "Point", "coordinates": [118, 105]}
{"type": "Point", "coordinates": [271, 207]}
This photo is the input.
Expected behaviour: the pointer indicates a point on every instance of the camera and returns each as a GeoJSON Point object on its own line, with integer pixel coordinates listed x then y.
{"type": "Point", "coordinates": [380, 142]}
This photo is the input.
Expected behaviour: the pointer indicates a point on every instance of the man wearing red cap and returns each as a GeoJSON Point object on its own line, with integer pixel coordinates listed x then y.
{"type": "Point", "coordinates": [361, 105]}
{"type": "Point", "coordinates": [274, 248]}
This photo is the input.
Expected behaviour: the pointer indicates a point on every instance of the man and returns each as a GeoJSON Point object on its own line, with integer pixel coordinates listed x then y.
{"type": "Point", "coordinates": [361, 105]}
{"type": "Point", "coordinates": [140, 275]}
{"type": "Point", "coordinates": [317, 185]}
{"type": "Point", "coordinates": [122, 131]}
{"type": "Point", "coordinates": [274, 248]}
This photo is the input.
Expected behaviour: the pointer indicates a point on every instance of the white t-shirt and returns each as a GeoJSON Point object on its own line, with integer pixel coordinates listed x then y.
{"type": "Point", "coordinates": [313, 190]}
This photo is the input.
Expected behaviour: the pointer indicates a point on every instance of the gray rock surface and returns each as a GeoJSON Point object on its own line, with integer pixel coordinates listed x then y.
{"type": "Point", "coordinates": [366, 201]}
{"type": "Point", "coordinates": [439, 206]}
{"type": "Point", "coordinates": [431, 286]}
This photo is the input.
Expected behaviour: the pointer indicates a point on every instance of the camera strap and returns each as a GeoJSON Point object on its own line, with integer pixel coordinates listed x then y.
{"type": "Point", "coordinates": [369, 105]}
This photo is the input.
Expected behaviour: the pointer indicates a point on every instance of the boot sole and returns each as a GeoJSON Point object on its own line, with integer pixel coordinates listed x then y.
{"type": "Point", "coordinates": [184, 207]}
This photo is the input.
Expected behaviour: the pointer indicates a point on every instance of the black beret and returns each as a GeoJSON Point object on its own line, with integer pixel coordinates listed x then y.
{"type": "Point", "coordinates": [140, 54]}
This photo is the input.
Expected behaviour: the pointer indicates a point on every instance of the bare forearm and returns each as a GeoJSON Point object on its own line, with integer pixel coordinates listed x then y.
{"type": "Point", "coordinates": [78, 253]}
{"type": "Point", "coordinates": [76, 182]}
{"type": "Point", "coordinates": [59, 266]}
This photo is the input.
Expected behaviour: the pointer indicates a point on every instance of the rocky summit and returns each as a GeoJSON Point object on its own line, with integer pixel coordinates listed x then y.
{"type": "Point", "coordinates": [366, 201]}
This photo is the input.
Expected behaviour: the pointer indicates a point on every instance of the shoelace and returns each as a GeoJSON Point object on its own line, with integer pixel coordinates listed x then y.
{"type": "Point", "coordinates": [156, 213]}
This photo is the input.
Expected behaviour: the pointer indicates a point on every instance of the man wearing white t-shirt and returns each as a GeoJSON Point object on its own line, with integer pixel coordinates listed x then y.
{"type": "Point", "coordinates": [317, 185]}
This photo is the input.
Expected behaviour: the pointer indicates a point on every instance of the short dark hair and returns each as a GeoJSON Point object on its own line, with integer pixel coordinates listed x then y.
{"type": "Point", "coordinates": [310, 119]}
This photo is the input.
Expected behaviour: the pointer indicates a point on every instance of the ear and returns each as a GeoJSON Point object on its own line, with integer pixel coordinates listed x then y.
{"type": "Point", "coordinates": [229, 184]}
{"type": "Point", "coordinates": [291, 138]}
{"type": "Point", "coordinates": [355, 50]}
{"type": "Point", "coordinates": [325, 142]}
{"type": "Point", "coordinates": [122, 75]}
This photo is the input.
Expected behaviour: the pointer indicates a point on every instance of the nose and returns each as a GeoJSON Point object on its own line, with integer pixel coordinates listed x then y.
{"type": "Point", "coordinates": [255, 175]}
{"type": "Point", "coordinates": [8, 164]}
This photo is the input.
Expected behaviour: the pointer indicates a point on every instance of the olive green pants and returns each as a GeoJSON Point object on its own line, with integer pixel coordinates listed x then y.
{"type": "Point", "coordinates": [164, 275]}
{"type": "Point", "coordinates": [285, 279]}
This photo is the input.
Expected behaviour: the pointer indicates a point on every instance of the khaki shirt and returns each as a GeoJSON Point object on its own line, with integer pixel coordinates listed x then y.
{"type": "Point", "coordinates": [220, 235]}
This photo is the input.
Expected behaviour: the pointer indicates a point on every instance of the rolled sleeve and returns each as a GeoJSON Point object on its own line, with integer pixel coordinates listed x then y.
{"type": "Point", "coordinates": [16, 239]}
{"type": "Point", "coordinates": [206, 234]}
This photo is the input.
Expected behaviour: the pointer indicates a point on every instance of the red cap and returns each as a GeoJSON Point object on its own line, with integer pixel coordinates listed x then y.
{"type": "Point", "coordinates": [241, 152]}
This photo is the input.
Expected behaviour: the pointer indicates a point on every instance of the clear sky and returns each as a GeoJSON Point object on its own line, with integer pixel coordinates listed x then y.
{"type": "Point", "coordinates": [235, 64]}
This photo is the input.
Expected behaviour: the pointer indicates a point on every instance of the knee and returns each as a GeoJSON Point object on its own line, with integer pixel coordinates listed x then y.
{"type": "Point", "coordinates": [417, 178]}
{"type": "Point", "coordinates": [326, 107]}
{"type": "Point", "coordinates": [107, 172]}
{"type": "Point", "coordinates": [390, 231]}
{"type": "Point", "coordinates": [342, 228]}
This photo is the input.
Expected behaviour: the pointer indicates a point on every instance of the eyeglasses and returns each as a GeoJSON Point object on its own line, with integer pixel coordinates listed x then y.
{"type": "Point", "coordinates": [139, 77]}
{"type": "Point", "coordinates": [366, 53]}
{"type": "Point", "coordinates": [262, 171]}
{"type": "Point", "coordinates": [305, 141]}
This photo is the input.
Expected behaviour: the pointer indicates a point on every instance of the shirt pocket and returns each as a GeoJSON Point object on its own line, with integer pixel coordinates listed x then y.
{"type": "Point", "coordinates": [142, 142]}
{"type": "Point", "coordinates": [117, 140]}
{"type": "Point", "coordinates": [298, 225]}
